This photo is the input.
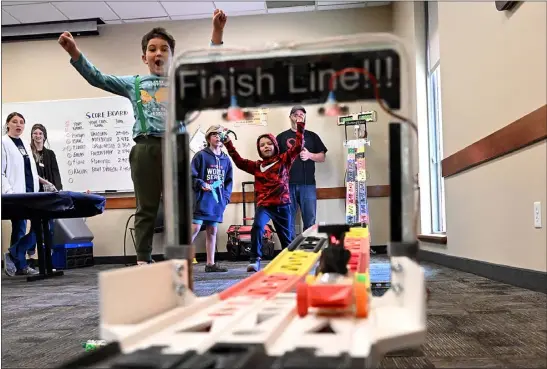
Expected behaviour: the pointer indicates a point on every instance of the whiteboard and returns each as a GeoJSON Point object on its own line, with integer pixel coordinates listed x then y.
{"type": "Point", "coordinates": [91, 138]}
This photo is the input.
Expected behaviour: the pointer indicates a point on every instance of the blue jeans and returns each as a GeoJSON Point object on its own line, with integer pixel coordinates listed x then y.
{"type": "Point", "coordinates": [18, 230]}
{"type": "Point", "coordinates": [21, 243]}
{"type": "Point", "coordinates": [305, 198]}
{"type": "Point", "coordinates": [282, 222]}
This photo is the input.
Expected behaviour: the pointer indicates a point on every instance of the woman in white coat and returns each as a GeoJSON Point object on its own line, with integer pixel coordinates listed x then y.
{"type": "Point", "coordinates": [19, 175]}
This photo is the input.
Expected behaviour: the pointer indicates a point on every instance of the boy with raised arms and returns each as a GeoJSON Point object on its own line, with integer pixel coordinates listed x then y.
{"type": "Point", "coordinates": [272, 195]}
{"type": "Point", "coordinates": [148, 95]}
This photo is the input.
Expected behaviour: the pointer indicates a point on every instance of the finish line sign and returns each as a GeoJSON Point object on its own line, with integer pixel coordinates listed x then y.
{"type": "Point", "coordinates": [288, 80]}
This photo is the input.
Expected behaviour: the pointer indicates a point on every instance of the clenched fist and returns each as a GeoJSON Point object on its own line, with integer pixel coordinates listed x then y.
{"type": "Point", "coordinates": [219, 20]}
{"type": "Point", "coordinates": [67, 42]}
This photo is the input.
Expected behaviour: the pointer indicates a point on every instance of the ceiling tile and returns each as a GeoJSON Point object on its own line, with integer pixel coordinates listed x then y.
{"type": "Point", "coordinates": [137, 9]}
{"type": "Point", "coordinates": [188, 7]}
{"type": "Point", "coordinates": [191, 16]}
{"type": "Point", "coordinates": [141, 20]}
{"type": "Point", "coordinates": [293, 9]}
{"type": "Point", "coordinates": [5, 3]}
{"type": "Point", "coordinates": [8, 19]}
{"type": "Point", "coordinates": [250, 12]}
{"type": "Point", "coordinates": [34, 13]}
{"type": "Point", "coordinates": [117, 21]}
{"type": "Point", "coordinates": [240, 6]}
{"type": "Point", "coordinates": [85, 9]}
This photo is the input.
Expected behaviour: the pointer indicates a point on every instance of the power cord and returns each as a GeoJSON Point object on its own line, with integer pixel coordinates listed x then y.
{"type": "Point", "coordinates": [125, 240]}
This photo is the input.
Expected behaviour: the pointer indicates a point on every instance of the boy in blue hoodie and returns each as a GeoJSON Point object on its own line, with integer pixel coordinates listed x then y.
{"type": "Point", "coordinates": [148, 95]}
{"type": "Point", "coordinates": [212, 180]}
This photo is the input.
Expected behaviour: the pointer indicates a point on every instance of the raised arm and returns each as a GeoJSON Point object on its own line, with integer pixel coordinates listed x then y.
{"type": "Point", "coordinates": [113, 84]}
{"type": "Point", "coordinates": [219, 21]}
{"type": "Point", "coordinates": [245, 165]}
{"type": "Point", "coordinates": [294, 151]}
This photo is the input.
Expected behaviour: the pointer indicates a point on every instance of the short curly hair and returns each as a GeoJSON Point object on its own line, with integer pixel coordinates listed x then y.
{"type": "Point", "coordinates": [158, 32]}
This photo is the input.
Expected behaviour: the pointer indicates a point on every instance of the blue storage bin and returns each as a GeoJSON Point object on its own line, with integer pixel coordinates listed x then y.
{"type": "Point", "coordinates": [72, 255]}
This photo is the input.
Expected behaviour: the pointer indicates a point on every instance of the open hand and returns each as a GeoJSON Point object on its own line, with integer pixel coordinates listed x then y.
{"type": "Point", "coordinates": [49, 187]}
{"type": "Point", "coordinates": [219, 20]}
{"type": "Point", "coordinates": [305, 154]}
{"type": "Point", "coordinates": [67, 42]}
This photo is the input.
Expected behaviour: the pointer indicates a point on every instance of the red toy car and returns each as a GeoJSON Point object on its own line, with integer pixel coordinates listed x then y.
{"type": "Point", "coordinates": [334, 294]}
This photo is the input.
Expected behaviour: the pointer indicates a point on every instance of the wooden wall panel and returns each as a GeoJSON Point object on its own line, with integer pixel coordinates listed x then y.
{"type": "Point", "coordinates": [524, 132]}
{"type": "Point", "coordinates": [237, 197]}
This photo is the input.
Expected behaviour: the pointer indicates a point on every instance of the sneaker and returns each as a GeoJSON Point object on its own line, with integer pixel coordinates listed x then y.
{"type": "Point", "coordinates": [151, 261]}
{"type": "Point", "coordinates": [28, 271]}
{"type": "Point", "coordinates": [254, 266]}
{"type": "Point", "coordinates": [9, 266]}
{"type": "Point", "coordinates": [212, 268]}
{"type": "Point", "coordinates": [31, 252]}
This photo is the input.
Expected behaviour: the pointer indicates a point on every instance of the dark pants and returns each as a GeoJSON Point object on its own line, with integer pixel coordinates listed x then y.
{"type": "Point", "coordinates": [305, 198]}
{"type": "Point", "coordinates": [21, 242]}
{"type": "Point", "coordinates": [147, 175]}
{"type": "Point", "coordinates": [281, 219]}
{"type": "Point", "coordinates": [32, 251]}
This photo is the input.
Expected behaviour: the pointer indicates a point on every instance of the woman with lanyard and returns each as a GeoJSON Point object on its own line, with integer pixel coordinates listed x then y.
{"type": "Point", "coordinates": [46, 164]}
{"type": "Point", "coordinates": [19, 175]}
{"type": "Point", "coordinates": [46, 161]}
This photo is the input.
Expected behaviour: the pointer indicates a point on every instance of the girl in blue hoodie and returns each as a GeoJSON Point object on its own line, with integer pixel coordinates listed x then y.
{"type": "Point", "coordinates": [212, 180]}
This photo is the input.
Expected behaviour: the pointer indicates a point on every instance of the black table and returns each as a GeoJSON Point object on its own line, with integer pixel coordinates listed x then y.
{"type": "Point", "coordinates": [40, 208]}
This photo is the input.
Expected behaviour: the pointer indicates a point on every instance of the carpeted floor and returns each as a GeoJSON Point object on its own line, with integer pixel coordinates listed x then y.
{"type": "Point", "coordinates": [473, 322]}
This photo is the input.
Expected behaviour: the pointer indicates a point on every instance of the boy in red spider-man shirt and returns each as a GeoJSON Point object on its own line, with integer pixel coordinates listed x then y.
{"type": "Point", "coordinates": [272, 193]}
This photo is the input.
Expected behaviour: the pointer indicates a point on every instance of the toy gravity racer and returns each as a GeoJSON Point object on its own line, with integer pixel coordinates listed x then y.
{"type": "Point", "coordinates": [334, 291]}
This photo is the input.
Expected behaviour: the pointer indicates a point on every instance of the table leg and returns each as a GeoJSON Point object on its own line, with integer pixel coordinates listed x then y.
{"type": "Point", "coordinates": [47, 245]}
{"type": "Point", "coordinates": [43, 236]}
{"type": "Point", "coordinates": [36, 225]}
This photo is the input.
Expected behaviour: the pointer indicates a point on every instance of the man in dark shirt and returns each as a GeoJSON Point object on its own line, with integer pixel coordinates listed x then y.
{"type": "Point", "coordinates": [302, 175]}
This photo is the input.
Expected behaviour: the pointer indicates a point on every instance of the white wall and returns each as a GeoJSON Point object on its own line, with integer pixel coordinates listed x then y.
{"type": "Point", "coordinates": [44, 66]}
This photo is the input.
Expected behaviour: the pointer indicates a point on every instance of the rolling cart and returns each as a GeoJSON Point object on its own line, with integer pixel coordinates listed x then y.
{"type": "Point", "coordinates": [239, 236]}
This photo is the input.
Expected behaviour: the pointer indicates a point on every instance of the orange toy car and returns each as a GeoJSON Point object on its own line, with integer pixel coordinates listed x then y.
{"type": "Point", "coordinates": [334, 294]}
